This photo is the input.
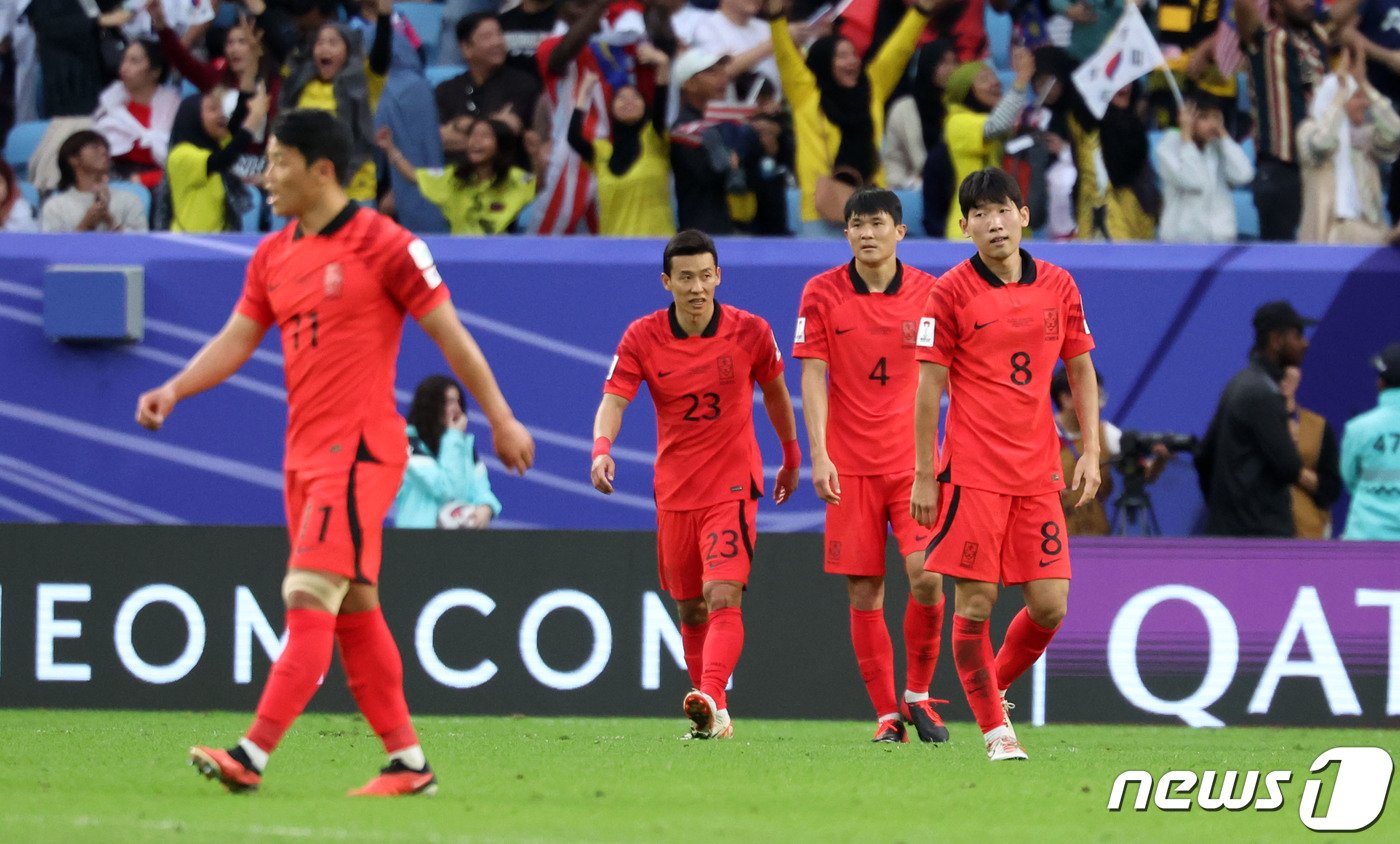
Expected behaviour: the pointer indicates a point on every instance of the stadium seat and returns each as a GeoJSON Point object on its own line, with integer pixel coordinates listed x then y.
{"type": "Point", "coordinates": [1246, 215]}
{"type": "Point", "coordinates": [30, 194]}
{"type": "Point", "coordinates": [794, 209]}
{"type": "Point", "coordinates": [426, 20]}
{"type": "Point", "coordinates": [187, 89]}
{"type": "Point", "coordinates": [440, 73]}
{"type": "Point", "coordinates": [141, 191]}
{"type": "Point", "coordinates": [912, 202]}
{"type": "Point", "coordinates": [23, 140]}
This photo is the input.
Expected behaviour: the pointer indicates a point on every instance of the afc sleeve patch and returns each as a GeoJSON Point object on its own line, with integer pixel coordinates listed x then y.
{"type": "Point", "coordinates": [423, 260]}
{"type": "Point", "coordinates": [800, 336]}
{"type": "Point", "coordinates": [926, 330]}
{"type": "Point", "coordinates": [612, 367]}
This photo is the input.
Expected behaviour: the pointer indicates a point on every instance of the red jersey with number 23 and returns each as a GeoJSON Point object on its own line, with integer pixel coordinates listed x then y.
{"type": "Point", "coordinates": [867, 342]}
{"type": "Point", "coordinates": [702, 386]}
{"type": "Point", "coordinates": [1000, 343]}
{"type": "Point", "coordinates": [339, 298]}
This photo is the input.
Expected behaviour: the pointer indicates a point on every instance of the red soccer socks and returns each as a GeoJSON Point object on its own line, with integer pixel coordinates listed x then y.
{"type": "Point", "coordinates": [875, 656]}
{"type": "Point", "coordinates": [295, 676]}
{"type": "Point", "coordinates": [374, 671]}
{"type": "Point", "coordinates": [693, 644]}
{"type": "Point", "coordinates": [1024, 643]}
{"type": "Point", "coordinates": [724, 641]}
{"type": "Point", "coordinates": [972, 653]}
{"type": "Point", "coordinates": [923, 637]}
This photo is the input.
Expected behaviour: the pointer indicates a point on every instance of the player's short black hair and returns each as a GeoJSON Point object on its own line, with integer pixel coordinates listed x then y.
{"type": "Point", "coordinates": [688, 242]}
{"type": "Point", "coordinates": [318, 135]}
{"type": "Point", "coordinates": [989, 185]}
{"type": "Point", "coordinates": [1059, 384]}
{"type": "Point", "coordinates": [872, 201]}
{"type": "Point", "coordinates": [71, 146]}
{"type": "Point", "coordinates": [466, 27]}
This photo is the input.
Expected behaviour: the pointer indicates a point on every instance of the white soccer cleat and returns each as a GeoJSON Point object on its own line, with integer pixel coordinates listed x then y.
{"type": "Point", "coordinates": [1005, 747]}
{"type": "Point", "coordinates": [724, 727]}
{"type": "Point", "coordinates": [700, 709]}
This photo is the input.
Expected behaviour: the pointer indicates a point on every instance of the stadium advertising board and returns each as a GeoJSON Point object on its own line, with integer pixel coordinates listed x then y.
{"type": "Point", "coordinates": [1196, 632]}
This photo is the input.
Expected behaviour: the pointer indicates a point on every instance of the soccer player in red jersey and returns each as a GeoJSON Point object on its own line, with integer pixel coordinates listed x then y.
{"type": "Point", "coordinates": [337, 283]}
{"type": "Point", "coordinates": [856, 328]}
{"type": "Point", "coordinates": [992, 330]}
{"type": "Point", "coordinates": [700, 360]}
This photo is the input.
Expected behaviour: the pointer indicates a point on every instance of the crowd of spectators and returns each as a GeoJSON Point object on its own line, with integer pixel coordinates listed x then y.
{"type": "Point", "coordinates": [638, 117]}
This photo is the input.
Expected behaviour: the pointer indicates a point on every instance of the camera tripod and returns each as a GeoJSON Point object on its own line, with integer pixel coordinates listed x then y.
{"type": "Point", "coordinates": [1133, 509]}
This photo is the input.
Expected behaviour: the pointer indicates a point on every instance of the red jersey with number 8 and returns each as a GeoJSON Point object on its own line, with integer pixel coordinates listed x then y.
{"type": "Point", "coordinates": [1000, 343]}
{"type": "Point", "coordinates": [339, 298]}
{"type": "Point", "coordinates": [702, 386]}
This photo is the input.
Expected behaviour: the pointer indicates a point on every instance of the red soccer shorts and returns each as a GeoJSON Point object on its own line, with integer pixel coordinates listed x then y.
{"type": "Point", "coordinates": [994, 538]}
{"type": "Point", "coordinates": [694, 547]}
{"type": "Point", "coordinates": [336, 517]}
{"type": "Point", "coordinates": [855, 528]}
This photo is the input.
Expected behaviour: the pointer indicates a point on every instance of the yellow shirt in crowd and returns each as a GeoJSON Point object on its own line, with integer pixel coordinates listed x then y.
{"type": "Point", "coordinates": [477, 207]}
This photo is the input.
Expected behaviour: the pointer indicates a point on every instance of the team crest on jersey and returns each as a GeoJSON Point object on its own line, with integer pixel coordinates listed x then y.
{"type": "Point", "coordinates": [908, 332]}
{"type": "Point", "coordinates": [833, 551]}
{"type": "Point", "coordinates": [969, 554]}
{"type": "Point", "coordinates": [333, 280]}
{"type": "Point", "coordinates": [726, 369]}
{"type": "Point", "coordinates": [1052, 323]}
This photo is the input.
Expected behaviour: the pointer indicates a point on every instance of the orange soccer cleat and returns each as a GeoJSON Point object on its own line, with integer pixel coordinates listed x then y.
{"type": "Point", "coordinates": [217, 764]}
{"type": "Point", "coordinates": [399, 780]}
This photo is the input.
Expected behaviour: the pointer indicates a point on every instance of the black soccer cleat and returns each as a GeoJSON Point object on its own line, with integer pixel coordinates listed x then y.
{"type": "Point", "coordinates": [925, 720]}
{"type": "Point", "coordinates": [891, 731]}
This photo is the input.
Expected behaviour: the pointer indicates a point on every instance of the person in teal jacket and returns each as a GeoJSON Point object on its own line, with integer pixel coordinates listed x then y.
{"type": "Point", "coordinates": [1371, 459]}
{"type": "Point", "coordinates": [445, 484]}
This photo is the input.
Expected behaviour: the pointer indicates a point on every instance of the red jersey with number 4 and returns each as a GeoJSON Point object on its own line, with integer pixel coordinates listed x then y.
{"type": "Point", "coordinates": [867, 340]}
{"type": "Point", "coordinates": [1000, 343]}
{"type": "Point", "coordinates": [702, 386]}
{"type": "Point", "coordinates": [339, 298]}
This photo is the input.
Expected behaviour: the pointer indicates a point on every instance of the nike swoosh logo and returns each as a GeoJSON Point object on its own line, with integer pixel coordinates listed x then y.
{"type": "Point", "coordinates": [844, 330]}
{"type": "Point", "coordinates": [660, 374]}
{"type": "Point", "coordinates": [920, 538]}
{"type": "Point", "coordinates": [1044, 563]}
{"type": "Point", "coordinates": [981, 325]}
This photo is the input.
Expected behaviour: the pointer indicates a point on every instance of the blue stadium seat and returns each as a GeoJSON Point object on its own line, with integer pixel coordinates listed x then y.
{"type": "Point", "coordinates": [30, 194]}
{"type": "Point", "coordinates": [912, 202]}
{"type": "Point", "coordinates": [440, 73]}
{"type": "Point", "coordinates": [141, 191]}
{"type": "Point", "coordinates": [23, 140]}
{"type": "Point", "coordinates": [1246, 215]}
{"type": "Point", "coordinates": [187, 89]}
{"type": "Point", "coordinates": [426, 20]}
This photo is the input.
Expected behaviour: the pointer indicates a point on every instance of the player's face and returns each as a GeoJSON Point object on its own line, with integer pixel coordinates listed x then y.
{"type": "Point", "coordinates": [692, 282]}
{"type": "Point", "coordinates": [330, 53]}
{"type": "Point", "coordinates": [995, 227]}
{"type": "Point", "coordinates": [873, 236]}
{"type": "Point", "coordinates": [291, 186]}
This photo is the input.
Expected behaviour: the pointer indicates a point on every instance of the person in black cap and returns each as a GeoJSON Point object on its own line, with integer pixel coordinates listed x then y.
{"type": "Point", "coordinates": [1248, 459]}
{"type": "Point", "coordinates": [1371, 458]}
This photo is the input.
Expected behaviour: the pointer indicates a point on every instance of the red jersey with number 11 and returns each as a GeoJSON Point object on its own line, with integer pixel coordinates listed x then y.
{"type": "Point", "coordinates": [339, 297]}
{"type": "Point", "coordinates": [1000, 343]}
{"type": "Point", "coordinates": [702, 386]}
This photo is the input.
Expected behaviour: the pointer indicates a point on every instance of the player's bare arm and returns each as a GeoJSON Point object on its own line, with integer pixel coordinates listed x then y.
{"type": "Point", "coordinates": [923, 499]}
{"type": "Point", "coordinates": [606, 423]}
{"type": "Point", "coordinates": [513, 443]}
{"type": "Point", "coordinates": [221, 357]}
{"type": "Point", "coordinates": [1085, 389]}
{"type": "Point", "coordinates": [779, 406]}
{"type": "Point", "coordinates": [815, 407]}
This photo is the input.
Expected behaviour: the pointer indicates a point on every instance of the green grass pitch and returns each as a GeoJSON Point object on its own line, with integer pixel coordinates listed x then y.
{"type": "Point", "coordinates": [122, 776]}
